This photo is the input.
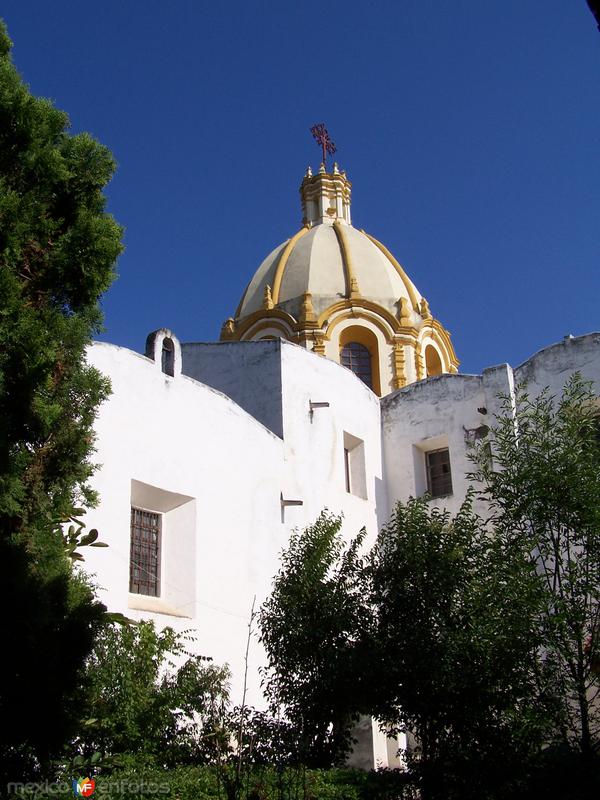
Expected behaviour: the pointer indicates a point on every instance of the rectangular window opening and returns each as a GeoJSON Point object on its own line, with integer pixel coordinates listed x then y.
{"type": "Point", "coordinates": [439, 476]}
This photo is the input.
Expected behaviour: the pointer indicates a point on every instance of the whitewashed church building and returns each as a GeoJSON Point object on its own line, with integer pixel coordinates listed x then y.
{"type": "Point", "coordinates": [332, 386]}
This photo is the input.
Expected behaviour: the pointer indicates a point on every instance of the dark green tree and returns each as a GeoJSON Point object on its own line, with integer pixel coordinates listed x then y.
{"type": "Point", "coordinates": [313, 627]}
{"type": "Point", "coordinates": [452, 651]}
{"type": "Point", "coordinates": [543, 488]}
{"type": "Point", "coordinates": [57, 253]}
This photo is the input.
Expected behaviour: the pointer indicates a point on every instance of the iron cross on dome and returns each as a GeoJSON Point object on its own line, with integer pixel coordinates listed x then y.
{"type": "Point", "coordinates": [321, 136]}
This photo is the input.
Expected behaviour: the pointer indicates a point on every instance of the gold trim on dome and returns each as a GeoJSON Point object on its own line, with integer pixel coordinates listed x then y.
{"type": "Point", "coordinates": [399, 363]}
{"type": "Point", "coordinates": [244, 324]}
{"type": "Point", "coordinates": [405, 279]}
{"type": "Point", "coordinates": [283, 259]}
{"type": "Point", "coordinates": [307, 313]}
{"type": "Point", "coordinates": [404, 314]}
{"type": "Point", "coordinates": [348, 313]}
{"type": "Point", "coordinates": [267, 298]}
{"type": "Point", "coordinates": [352, 289]}
{"type": "Point", "coordinates": [228, 329]}
{"type": "Point", "coordinates": [269, 324]}
{"type": "Point", "coordinates": [441, 336]}
{"type": "Point", "coordinates": [419, 366]}
{"type": "Point", "coordinates": [319, 344]}
{"type": "Point", "coordinates": [368, 305]}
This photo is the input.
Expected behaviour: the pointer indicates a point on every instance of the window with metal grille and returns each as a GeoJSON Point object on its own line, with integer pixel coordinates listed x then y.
{"type": "Point", "coordinates": [144, 562]}
{"type": "Point", "coordinates": [439, 477]}
{"type": "Point", "coordinates": [356, 357]}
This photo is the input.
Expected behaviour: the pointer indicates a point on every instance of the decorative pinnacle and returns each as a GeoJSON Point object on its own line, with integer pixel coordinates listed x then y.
{"type": "Point", "coordinates": [321, 136]}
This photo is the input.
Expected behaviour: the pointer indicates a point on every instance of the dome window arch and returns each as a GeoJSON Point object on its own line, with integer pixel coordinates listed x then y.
{"type": "Point", "coordinates": [359, 352]}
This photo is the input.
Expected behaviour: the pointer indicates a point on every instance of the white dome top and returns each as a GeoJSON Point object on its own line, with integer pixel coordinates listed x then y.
{"type": "Point", "coordinates": [317, 263]}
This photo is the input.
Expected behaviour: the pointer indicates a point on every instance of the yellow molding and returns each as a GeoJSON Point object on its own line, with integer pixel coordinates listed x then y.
{"type": "Point", "coordinates": [274, 314]}
{"type": "Point", "coordinates": [419, 366]}
{"type": "Point", "coordinates": [399, 363]}
{"type": "Point", "coordinates": [270, 324]}
{"type": "Point", "coordinates": [352, 289]}
{"type": "Point", "coordinates": [358, 304]}
{"type": "Point", "coordinates": [441, 336]}
{"type": "Point", "coordinates": [405, 279]}
{"type": "Point", "coordinates": [283, 259]}
{"type": "Point", "coordinates": [349, 314]}
{"type": "Point", "coordinates": [319, 344]}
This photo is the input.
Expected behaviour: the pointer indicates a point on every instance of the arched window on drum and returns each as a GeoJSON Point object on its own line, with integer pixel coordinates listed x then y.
{"type": "Point", "coordinates": [359, 352]}
{"type": "Point", "coordinates": [356, 357]}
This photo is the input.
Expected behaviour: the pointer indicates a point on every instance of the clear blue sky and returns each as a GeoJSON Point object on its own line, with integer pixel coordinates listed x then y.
{"type": "Point", "coordinates": [470, 130]}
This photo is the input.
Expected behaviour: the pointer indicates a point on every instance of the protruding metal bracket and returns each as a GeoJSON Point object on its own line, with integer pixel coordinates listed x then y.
{"type": "Point", "coordinates": [313, 405]}
{"type": "Point", "coordinates": [286, 503]}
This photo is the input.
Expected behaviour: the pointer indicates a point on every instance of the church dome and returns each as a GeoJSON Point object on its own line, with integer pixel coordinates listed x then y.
{"type": "Point", "coordinates": [329, 262]}
{"type": "Point", "coordinates": [331, 286]}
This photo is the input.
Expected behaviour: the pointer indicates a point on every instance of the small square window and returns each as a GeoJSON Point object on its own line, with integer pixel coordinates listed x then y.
{"type": "Point", "coordinates": [439, 476]}
{"type": "Point", "coordinates": [144, 563]}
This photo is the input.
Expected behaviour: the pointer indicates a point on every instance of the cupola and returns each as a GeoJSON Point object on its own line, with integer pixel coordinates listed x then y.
{"type": "Point", "coordinates": [338, 291]}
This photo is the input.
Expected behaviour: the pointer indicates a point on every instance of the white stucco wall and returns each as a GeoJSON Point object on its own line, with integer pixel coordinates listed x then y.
{"type": "Point", "coordinates": [217, 474]}
{"type": "Point", "coordinates": [314, 444]}
{"type": "Point", "coordinates": [188, 439]}
{"type": "Point", "coordinates": [553, 365]}
{"type": "Point", "coordinates": [444, 412]}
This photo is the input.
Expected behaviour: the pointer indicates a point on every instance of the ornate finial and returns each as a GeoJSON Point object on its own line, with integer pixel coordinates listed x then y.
{"type": "Point", "coordinates": [307, 313]}
{"type": "Point", "coordinates": [308, 172]}
{"type": "Point", "coordinates": [228, 328]}
{"type": "Point", "coordinates": [336, 170]}
{"type": "Point", "coordinates": [321, 136]}
{"type": "Point", "coordinates": [267, 298]}
{"type": "Point", "coordinates": [424, 309]}
{"type": "Point", "coordinates": [322, 168]}
{"type": "Point", "coordinates": [404, 311]}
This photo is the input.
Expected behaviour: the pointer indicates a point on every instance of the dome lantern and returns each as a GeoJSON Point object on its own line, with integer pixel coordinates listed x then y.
{"type": "Point", "coordinates": [325, 197]}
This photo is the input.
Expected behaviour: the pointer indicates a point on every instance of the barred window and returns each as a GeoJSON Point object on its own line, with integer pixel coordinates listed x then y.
{"type": "Point", "coordinates": [439, 477]}
{"type": "Point", "coordinates": [356, 357]}
{"type": "Point", "coordinates": [144, 562]}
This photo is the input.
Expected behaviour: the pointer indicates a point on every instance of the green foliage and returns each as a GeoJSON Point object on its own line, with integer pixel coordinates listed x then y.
{"type": "Point", "coordinates": [543, 487]}
{"type": "Point", "coordinates": [451, 647]}
{"type": "Point", "coordinates": [479, 637]}
{"type": "Point", "coordinates": [57, 253]}
{"type": "Point", "coordinates": [312, 627]}
{"type": "Point", "coordinates": [138, 779]}
{"type": "Point", "coordinates": [148, 696]}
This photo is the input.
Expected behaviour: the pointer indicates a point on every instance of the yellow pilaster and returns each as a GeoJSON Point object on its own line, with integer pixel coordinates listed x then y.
{"type": "Point", "coordinates": [419, 365]}
{"type": "Point", "coordinates": [399, 365]}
